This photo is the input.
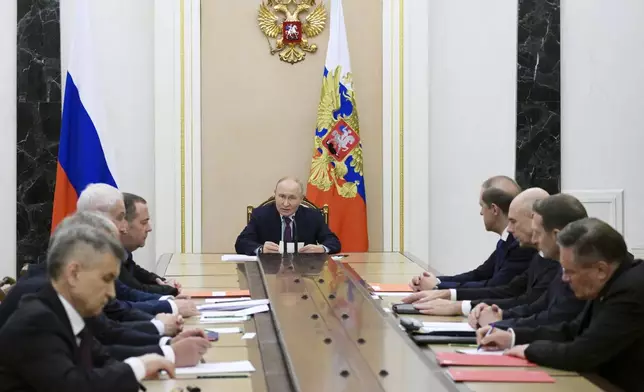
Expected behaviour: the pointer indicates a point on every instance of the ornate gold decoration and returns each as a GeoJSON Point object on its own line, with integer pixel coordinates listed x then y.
{"type": "Point", "coordinates": [342, 136]}
{"type": "Point", "coordinates": [289, 30]}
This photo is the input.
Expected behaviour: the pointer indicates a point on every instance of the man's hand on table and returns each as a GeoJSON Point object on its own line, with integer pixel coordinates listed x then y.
{"type": "Point", "coordinates": [425, 281]}
{"type": "Point", "coordinates": [426, 295]}
{"type": "Point", "coordinates": [439, 307]}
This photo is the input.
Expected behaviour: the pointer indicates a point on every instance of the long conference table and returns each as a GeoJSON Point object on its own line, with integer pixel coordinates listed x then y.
{"type": "Point", "coordinates": [325, 331]}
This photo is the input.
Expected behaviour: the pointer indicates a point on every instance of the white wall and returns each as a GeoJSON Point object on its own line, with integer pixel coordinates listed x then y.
{"type": "Point", "coordinates": [124, 34]}
{"type": "Point", "coordinates": [8, 71]}
{"type": "Point", "coordinates": [472, 95]}
{"type": "Point", "coordinates": [602, 85]}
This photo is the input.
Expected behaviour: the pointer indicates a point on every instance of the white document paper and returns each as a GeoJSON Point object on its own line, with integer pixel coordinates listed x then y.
{"type": "Point", "coordinates": [249, 335]}
{"type": "Point", "coordinates": [238, 258]}
{"type": "Point", "coordinates": [394, 294]}
{"type": "Point", "coordinates": [474, 351]}
{"type": "Point", "coordinates": [225, 330]}
{"type": "Point", "coordinates": [233, 305]}
{"type": "Point", "coordinates": [251, 311]}
{"type": "Point", "coordinates": [448, 326]}
{"type": "Point", "coordinates": [222, 300]}
{"type": "Point", "coordinates": [205, 369]}
{"type": "Point", "coordinates": [238, 313]}
{"type": "Point", "coordinates": [223, 320]}
{"type": "Point", "coordinates": [290, 247]}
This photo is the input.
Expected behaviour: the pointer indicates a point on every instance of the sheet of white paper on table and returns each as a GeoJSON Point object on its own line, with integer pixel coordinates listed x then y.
{"type": "Point", "coordinates": [223, 320]}
{"type": "Point", "coordinates": [225, 330]}
{"type": "Point", "coordinates": [393, 294]}
{"type": "Point", "coordinates": [238, 313]}
{"type": "Point", "coordinates": [222, 300]}
{"type": "Point", "coordinates": [290, 247]}
{"type": "Point", "coordinates": [203, 369]}
{"type": "Point", "coordinates": [448, 326]}
{"type": "Point", "coordinates": [475, 351]}
{"type": "Point", "coordinates": [238, 258]}
{"type": "Point", "coordinates": [249, 335]}
{"type": "Point", "coordinates": [234, 305]}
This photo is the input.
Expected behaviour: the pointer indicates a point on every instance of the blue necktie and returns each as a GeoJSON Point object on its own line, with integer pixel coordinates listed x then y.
{"type": "Point", "coordinates": [499, 244]}
{"type": "Point", "coordinates": [288, 234]}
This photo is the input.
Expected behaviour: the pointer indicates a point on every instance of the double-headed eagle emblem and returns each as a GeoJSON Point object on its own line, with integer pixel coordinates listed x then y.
{"type": "Point", "coordinates": [288, 30]}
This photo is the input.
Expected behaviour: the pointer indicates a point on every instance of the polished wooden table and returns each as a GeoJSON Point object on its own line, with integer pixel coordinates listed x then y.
{"type": "Point", "coordinates": [324, 332]}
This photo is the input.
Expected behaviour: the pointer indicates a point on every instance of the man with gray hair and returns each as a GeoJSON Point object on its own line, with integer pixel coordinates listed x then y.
{"type": "Point", "coordinates": [108, 200]}
{"type": "Point", "coordinates": [46, 343]}
{"type": "Point", "coordinates": [607, 337]}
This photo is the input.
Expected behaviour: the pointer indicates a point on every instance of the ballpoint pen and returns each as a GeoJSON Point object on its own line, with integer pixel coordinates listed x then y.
{"type": "Point", "coordinates": [489, 331]}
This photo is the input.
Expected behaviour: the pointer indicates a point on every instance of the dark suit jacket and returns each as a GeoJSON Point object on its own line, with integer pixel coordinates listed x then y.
{"type": "Point", "coordinates": [40, 353]}
{"type": "Point", "coordinates": [266, 225]}
{"type": "Point", "coordinates": [523, 289]}
{"type": "Point", "coordinates": [556, 305]}
{"type": "Point", "coordinates": [500, 268]}
{"type": "Point", "coordinates": [607, 337]}
{"type": "Point", "coordinates": [145, 302]}
{"type": "Point", "coordinates": [140, 279]}
{"type": "Point", "coordinates": [116, 310]}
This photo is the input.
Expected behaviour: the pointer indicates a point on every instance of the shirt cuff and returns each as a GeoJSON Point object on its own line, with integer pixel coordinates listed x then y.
{"type": "Point", "coordinates": [138, 368]}
{"type": "Point", "coordinates": [168, 353]}
{"type": "Point", "coordinates": [438, 281]}
{"type": "Point", "coordinates": [466, 307]}
{"type": "Point", "coordinates": [159, 325]}
{"type": "Point", "coordinates": [326, 250]}
{"type": "Point", "coordinates": [164, 341]}
{"type": "Point", "coordinates": [257, 250]}
{"type": "Point", "coordinates": [514, 337]}
{"type": "Point", "coordinates": [452, 294]}
{"type": "Point", "coordinates": [165, 297]}
{"type": "Point", "coordinates": [175, 308]}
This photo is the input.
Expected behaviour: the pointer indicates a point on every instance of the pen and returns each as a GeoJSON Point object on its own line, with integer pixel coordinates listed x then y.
{"type": "Point", "coordinates": [141, 387]}
{"type": "Point", "coordinates": [489, 331]}
{"type": "Point", "coordinates": [462, 345]}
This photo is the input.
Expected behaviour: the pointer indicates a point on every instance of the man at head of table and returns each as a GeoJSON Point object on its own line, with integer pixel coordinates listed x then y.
{"type": "Point", "coordinates": [284, 221]}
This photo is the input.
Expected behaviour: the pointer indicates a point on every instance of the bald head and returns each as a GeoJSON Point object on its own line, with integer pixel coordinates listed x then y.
{"type": "Point", "coordinates": [520, 214]}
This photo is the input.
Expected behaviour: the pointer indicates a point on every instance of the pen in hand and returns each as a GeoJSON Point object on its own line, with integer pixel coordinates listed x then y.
{"type": "Point", "coordinates": [489, 331]}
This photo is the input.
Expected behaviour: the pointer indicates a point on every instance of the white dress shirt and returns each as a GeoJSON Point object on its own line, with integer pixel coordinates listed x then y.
{"type": "Point", "coordinates": [77, 323]}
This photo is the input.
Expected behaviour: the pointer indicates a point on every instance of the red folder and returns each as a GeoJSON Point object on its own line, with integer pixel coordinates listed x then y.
{"type": "Point", "coordinates": [390, 288]}
{"type": "Point", "coordinates": [519, 376]}
{"type": "Point", "coordinates": [457, 359]}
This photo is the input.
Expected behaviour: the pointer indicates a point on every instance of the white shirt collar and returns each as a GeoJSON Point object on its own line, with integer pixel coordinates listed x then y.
{"type": "Point", "coordinates": [541, 254]}
{"type": "Point", "coordinates": [75, 319]}
{"type": "Point", "coordinates": [292, 216]}
{"type": "Point", "coordinates": [505, 234]}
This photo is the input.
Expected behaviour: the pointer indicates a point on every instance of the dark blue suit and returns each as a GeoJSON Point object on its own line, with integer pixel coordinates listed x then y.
{"type": "Point", "coordinates": [266, 225]}
{"type": "Point", "coordinates": [507, 261]}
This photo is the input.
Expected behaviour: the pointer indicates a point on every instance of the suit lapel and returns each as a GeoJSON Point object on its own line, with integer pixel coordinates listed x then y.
{"type": "Point", "coordinates": [50, 297]}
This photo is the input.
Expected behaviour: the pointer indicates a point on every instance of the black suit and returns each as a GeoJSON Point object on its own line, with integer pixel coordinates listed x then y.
{"type": "Point", "coordinates": [40, 353]}
{"type": "Point", "coordinates": [556, 305]}
{"type": "Point", "coordinates": [140, 279]}
{"type": "Point", "coordinates": [523, 289]}
{"type": "Point", "coordinates": [607, 337]}
{"type": "Point", "coordinates": [266, 225]}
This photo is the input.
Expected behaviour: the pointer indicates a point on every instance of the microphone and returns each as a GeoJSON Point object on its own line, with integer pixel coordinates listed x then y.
{"type": "Point", "coordinates": [294, 237]}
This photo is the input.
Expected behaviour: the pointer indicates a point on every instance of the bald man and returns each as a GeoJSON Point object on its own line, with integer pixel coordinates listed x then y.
{"type": "Point", "coordinates": [523, 289]}
{"type": "Point", "coordinates": [284, 220]}
{"type": "Point", "coordinates": [508, 258]}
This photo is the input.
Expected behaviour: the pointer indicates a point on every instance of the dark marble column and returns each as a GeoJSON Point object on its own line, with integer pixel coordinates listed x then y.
{"type": "Point", "coordinates": [39, 111]}
{"type": "Point", "coordinates": [538, 142]}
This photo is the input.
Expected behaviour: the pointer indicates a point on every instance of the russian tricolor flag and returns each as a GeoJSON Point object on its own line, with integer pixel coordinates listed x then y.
{"type": "Point", "coordinates": [84, 154]}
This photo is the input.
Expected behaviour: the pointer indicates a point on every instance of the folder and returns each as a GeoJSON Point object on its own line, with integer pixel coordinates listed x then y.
{"type": "Point", "coordinates": [457, 359]}
{"type": "Point", "coordinates": [390, 288]}
{"type": "Point", "coordinates": [518, 376]}
{"type": "Point", "coordinates": [208, 293]}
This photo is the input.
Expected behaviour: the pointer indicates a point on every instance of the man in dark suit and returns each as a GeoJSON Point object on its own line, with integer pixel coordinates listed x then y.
{"type": "Point", "coordinates": [524, 288]}
{"type": "Point", "coordinates": [607, 336]}
{"type": "Point", "coordinates": [108, 200]}
{"type": "Point", "coordinates": [137, 217]}
{"type": "Point", "coordinates": [508, 259]}
{"type": "Point", "coordinates": [558, 303]}
{"type": "Point", "coordinates": [283, 221]}
{"type": "Point", "coordinates": [46, 345]}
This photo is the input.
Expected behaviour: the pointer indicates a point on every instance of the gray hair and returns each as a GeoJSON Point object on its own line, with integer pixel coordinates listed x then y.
{"type": "Point", "coordinates": [288, 178]}
{"type": "Point", "coordinates": [593, 240]}
{"type": "Point", "coordinates": [97, 220]}
{"type": "Point", "coordinates": [98, 197]}
{"type": "Point", "coordinates": [80, 242]}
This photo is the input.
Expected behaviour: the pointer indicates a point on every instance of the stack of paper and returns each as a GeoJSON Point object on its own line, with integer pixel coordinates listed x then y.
{"type": "Point", "coordinates": [223, 320]}
{"type": "Point", "coordinates": [203, 370]}
{"type": "Point", "coordinates": [446, 327]}
{"type": "Point", "coordinates": [233, 305]}
{"type": "Point", "coordinates": [214, 315]}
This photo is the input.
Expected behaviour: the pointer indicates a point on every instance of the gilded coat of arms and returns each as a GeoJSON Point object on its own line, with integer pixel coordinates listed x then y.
{"type": "Point", "coordinates": [290, 33]}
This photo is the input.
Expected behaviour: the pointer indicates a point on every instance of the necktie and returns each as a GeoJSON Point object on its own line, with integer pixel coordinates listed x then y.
{"type": "Point", "coordinates": [85, 348]}
{"type": "Point", "coordinates": [288, 234]}
{"type": "Point", "coordinates": [499, 244]}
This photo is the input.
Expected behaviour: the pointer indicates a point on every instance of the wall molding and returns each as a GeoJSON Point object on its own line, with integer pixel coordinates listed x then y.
{"type": "Point", "coordinates": [177, 141]}
{"type": "Point", "coordinates": [613, 199]}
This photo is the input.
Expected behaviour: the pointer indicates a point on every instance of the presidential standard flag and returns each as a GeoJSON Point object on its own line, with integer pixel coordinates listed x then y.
{"type": "Point", "coordinates": [336, 177]}
{"type": "Point", "coordinates": [84, 154]}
